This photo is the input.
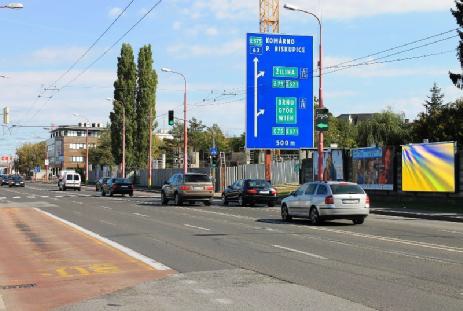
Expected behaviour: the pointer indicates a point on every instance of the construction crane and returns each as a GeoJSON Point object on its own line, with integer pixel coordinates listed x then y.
{"type": "Point", "coordinates": [270, 16]}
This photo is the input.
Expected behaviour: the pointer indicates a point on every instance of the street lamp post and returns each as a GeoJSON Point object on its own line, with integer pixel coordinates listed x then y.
{"type": "Point", "coordinates": [185, 130]}
{"type": "Point", "coordinates": [12, 6]}
{"type": "Point", "coordinates": [86, 145]}
{"type": "Point", "coordinates": [320, 84]}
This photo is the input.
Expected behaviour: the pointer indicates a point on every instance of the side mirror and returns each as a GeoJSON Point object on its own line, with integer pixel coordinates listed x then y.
{"type": "Point", "coordinates": [293, 194]}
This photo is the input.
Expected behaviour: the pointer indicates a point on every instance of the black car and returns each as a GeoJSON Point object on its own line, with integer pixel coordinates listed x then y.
{"type": "Point", "coordinates": [250, 191]}
{"type": "Point", "coordinates": [15, 181]}
{"type": "Point", "coordinates": [100, 183]}
{"type": "Point", "coordinates": [117, 186]}
{"type": "Point", "coordinates": [3, 180]}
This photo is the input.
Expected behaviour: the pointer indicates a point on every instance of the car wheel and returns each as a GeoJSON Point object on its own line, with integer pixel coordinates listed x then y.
{"type": "Point", "coordinates": [314, 217]}
{"type": "Point", "coordinates": [271, 204]}
{"type": "Point", "coordinates": [111, 193]}
{"type": "Point", "coordinates": [96, 189]}
{"type": "Point", "coordinates": [224, 200]}
{"type": "Point", "coordinates": [178, 199]}
{"type": "Point", "coordinates": [358, 220]}
{"type": "Point", "coordinates": [123, 194]}
{"type": "Point", "coordinates": [241, 201]}
{"type": "Point", "coordinates": [103, 193]}
{"type": "Point", "coordinates": [80, 189]}
{"type": "Point", "coordinates": [208, 202]}
{"type": "Point", "coordinates": [285, 213]}
{"type": "Point", "coordinates": [131, 194]}
{"type": "Point", "coordinates": [164, 199]}
{"type": "Point", "coordinates": [64, 188]}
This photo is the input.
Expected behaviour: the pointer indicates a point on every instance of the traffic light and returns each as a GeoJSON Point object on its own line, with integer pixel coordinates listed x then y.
{"type": "Point", "coordinates": [171, 117]}
{"type": "Point", "coordinates": [6, 115]}
{"type": "Point", "coordinates": [214, 160]}
{"type": "Point", "coordinates": [321, 121]}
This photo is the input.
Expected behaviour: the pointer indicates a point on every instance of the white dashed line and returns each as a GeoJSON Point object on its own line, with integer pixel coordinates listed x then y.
{"type": "Point", "coordinates": [16, 197]}
{"type": "Point", "coordinates": [224, 301]}
{"type": "Point", "coordinates": [300, 252]}
{"type": "Point", "coordinates": [44, 196]}
{"type": "Point", "coordinates": [107, 222]}
{"type": "Point", "coordinates": [58, 196]}
{"type": "Point", "coordinates": [200, 228]}
{"type": "Point", "coordinates": [142, 215]}
{"type": "Point", "coordinates": [106, 207]}
{"type": "Point", "coordinates": [204, 291]}
{"type": "Point", "coordinates": [2, 304]}
{"type": "Point", "coordinates": [449, 231]}
{"type": "Point", "coordinates": [76, 202]}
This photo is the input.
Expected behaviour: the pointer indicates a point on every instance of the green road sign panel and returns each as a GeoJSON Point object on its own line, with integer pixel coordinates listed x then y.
{"type": "Point", "coordinates": [292, 84]}
{"type": "Point", "coordinates": [285, 72]}
{"type": "Point", "coordinates": [279, 131]}
{"type": "Point", "coordinates": [286, 110]}
{"type": "Point", "coordinates": [255, 41]}
{"type": "Point", "coordinates": [292, 131]}
{"type": "Point", "coordinates": [321, 121]}
{"type": "Point", "coordinates": [278, 84]}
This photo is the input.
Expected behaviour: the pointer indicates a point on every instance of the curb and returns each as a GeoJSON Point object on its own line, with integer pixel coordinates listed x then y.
{"type": "Point", "coordinates": [417, 215]}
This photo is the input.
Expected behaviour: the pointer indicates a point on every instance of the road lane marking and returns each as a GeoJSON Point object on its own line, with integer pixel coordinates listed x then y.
{"type": "Point", "coordinates": [224, 301]}
{"type": "Point", "coordinates": [58, 196]}
{"type": "Point", "coordinates": [300, 252]}
{"type": "Point", "coordinates": [142, 215]}
{"type": "Point", "coordinates": [77, 202]}
{"type": "Point", "coordinates": [449, 231]}
{"type": "Point", "coordinates": [150, 262]}
{"type": "Point", "coordinates": [391, 239]}
{"type": "Point", "coordinates": [107, 222]}
{"type": "Point", "coordinates": [200, 228]}
{"type": "Point", "coordinates": [106, 207]}
{"type": "Point", "coordinates": [44, 196]}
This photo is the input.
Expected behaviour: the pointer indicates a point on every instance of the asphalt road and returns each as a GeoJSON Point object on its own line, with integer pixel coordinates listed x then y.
{"type": "Point", "coordinates": [388, 263]}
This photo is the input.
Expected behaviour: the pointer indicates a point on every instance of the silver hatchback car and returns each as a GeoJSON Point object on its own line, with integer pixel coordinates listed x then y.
{"type": "Point", "coordinates": [320, 201]}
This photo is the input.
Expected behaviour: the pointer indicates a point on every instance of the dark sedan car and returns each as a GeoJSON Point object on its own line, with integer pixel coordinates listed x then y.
{"type": "Point", "coordinates": [250, 191]}
{"type": "Point", "coordinates": [100, 182]}
{"type": "Point", "coordinates": [117, 186]}
{"type": "Point", "coordinates": [3, 180]}
{"type": "Point", "coordinates": [15, 181]}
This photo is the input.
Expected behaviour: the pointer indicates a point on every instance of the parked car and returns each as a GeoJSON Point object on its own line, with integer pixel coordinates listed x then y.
{"type": "Point", "coordinates": [190, 187]}
{"type": "Point", "coordinates": [250, 191]}
{"type": "Point", "coordinates": [117, 186]}
{"type": "Point", "coordinates": [3, 180]}
{"type": "Point", "coordinates": [320, 201]}
{"type": "Point", "coordinates": [100, 182]}
{"type": "Point", "coordinates": [15, 181]}
{"type": "Point", "coordinates": [70, 180]}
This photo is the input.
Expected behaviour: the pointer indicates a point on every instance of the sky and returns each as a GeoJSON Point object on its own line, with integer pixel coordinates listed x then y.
{"type": "Point", "coordinates": [205, 40]}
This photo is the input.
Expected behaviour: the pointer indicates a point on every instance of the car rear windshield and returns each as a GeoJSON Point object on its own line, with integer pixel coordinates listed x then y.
{"type": "Point", "coordinates": [259, 183]}
{"type": "Point", "coordinates": [121, 181]}
{"type": "Point", "coordinates": [346, 189]}
{"type": "Point", "coordinates": [197, 178]}
{"type": "Point", "coordinates": [76, 177]}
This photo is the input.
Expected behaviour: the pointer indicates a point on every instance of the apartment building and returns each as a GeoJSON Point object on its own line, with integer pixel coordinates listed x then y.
{"type": "Point", "coordinates": [67, 144]}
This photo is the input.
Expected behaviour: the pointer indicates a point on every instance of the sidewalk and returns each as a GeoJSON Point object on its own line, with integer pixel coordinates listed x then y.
{"type": "Point", "coordinates": [416, 213]}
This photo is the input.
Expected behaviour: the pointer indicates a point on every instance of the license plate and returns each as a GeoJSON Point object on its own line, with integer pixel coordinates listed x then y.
{"type": "Point", "coordinates": [264, 192]}
{"type": "Point", "coordinates": [124, 186]}
{"type": "Point", "coordinates": [198, 188]}
{"type": "Point", "coordinates": [350, 201]}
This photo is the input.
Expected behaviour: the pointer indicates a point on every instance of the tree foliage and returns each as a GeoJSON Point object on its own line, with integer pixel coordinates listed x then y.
{"type": "Point", "coordinates": [457, 78]}
{"type": "Point", "coordinates": [30, 155]}
{"type": "Point", "coordinates": [145, 102]}
{"type": "Point", "coordinates": [102, 154]}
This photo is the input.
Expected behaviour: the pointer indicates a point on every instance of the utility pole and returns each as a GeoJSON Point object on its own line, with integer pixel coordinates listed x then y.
{"type": "Point", "coordinates": [269, 22]}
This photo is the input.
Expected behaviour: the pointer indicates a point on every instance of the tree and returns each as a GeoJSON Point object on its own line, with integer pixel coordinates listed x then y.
{"type": "Point", "coordinates": [340, 132]}
{"type": "Point", "coordinates": [145, 102]}
{"type": "Point", "coordinates": [124, 98]}
{"type": "Point", "coordinates": [29, 156]}
{"type": "Point", "coordinates": [196, 138]}
{"type": "Point", "coordinates": [457, 78]}
{"type": "Point", "coordinates": [385, 128]}
{"type": "Point", "coordinates": [435, 101]}
{"type": "Point", "coordinates": [101, 154]}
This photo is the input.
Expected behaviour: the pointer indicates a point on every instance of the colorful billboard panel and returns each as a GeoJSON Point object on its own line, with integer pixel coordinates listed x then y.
{"type": "Point", "coordinates": [332, 165]}
{"type": "Point", "coordinates": [428, 167]}
{"type": "Point", "coordinates": [372, 168]}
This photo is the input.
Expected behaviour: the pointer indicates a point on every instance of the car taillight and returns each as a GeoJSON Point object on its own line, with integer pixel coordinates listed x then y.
{"type": "Point", "coordinates": [273, 191]}
{"type": "Point", "coordinates": [329, 200]}
{"type": "Point", "coordinates": [209, 188]}
{"type": "Point", "coordinates": [251, 191]}
{"type": "Point", "coordinates": [114, 186]}
{"type": "Point", "coordinates": [367, 201]}
{"type": "Point", "coordinates": [183, 188]}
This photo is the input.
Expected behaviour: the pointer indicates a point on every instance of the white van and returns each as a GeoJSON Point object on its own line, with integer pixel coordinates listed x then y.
{"type": "Point", "coordinates": [70, 180]}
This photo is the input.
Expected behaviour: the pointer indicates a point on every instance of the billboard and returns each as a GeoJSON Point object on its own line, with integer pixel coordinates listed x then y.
{"type": "Point", "coordinates": [372, 168]}
{"type": "Point", "coordinates": [428, 167]}
{"type": "Point", "coordinates": [332, 165]}
{"type": "Point", "coordinates": [279, 92]}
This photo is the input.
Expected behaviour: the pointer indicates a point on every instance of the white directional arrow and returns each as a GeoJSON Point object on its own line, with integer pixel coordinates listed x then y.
{"type": "Point", "coordinates": [257, 75]}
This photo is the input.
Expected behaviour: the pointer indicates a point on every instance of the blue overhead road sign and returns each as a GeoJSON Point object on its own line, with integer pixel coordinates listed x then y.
{"type": "Point", "coordinates": [279, 106]}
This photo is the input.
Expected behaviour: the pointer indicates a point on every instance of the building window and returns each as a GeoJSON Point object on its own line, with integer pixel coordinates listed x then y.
{"type": "Point", "coordinates": [77, 146]}
{"type": "Point", "coordinates": [77, 159]}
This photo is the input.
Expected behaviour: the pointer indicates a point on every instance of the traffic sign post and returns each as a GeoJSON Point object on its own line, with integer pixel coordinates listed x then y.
{"type": "Point", "coordinates": [279, 110]}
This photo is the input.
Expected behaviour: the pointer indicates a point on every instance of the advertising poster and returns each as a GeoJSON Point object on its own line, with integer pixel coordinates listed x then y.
{"type": "Point", "coordinates": [372, 168]}
{"type": "Point", "coordinates": [428, 167]}
{"type": "Point", "coordinates": [332, 165]}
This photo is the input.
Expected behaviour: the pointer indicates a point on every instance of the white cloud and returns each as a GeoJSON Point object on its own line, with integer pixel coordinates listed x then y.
{"type": "Point", "coordinates": [177, 25]}
{"type": "Point", "coordinates": [211, 31]}
{"type": "Point", "coordinates": [114, 12]}
{"type": "Point", "coordinates": [56, 54]}
{"type": "Point", "coordinates": [198, 50]}
{"type": "Point", "coordinates": [329, 9]}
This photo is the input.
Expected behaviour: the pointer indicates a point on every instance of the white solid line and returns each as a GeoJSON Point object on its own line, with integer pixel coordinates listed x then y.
{"type": "Point", "coordinates": [150, 262]}
{"type": "Point", "coordinates": [44, 196]}
{"type": "Point", "coordinates": [2, 304]}
{"type": "Point", "coordinates": [449, 231]}
{"type": "Point", "coordinates": [200, 228]}
{"type": "Point", "coordinates": [142, 215]}
{"type": "Point", "coordinates": [58, 196]}
{"type": "Point", "coordinates": [300, 252]}
{"type": "Point", "coordinates": [16, 197]}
